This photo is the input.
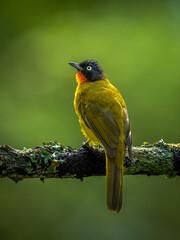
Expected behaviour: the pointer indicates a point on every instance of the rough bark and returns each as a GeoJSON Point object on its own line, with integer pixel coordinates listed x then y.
{"type": "Point", "coordinates": [52, 160]}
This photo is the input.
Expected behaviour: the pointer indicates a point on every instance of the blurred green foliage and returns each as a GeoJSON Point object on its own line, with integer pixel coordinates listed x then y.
{"type": "Point", "coordinates": [138, 45]}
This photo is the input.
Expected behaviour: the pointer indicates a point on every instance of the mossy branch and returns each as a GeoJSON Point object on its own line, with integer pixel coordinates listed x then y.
{"type": "Point", "coordinates": [52, 160]}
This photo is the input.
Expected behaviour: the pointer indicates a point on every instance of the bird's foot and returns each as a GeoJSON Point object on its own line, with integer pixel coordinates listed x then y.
{"type": "Point", "coordinates": [87, 146]}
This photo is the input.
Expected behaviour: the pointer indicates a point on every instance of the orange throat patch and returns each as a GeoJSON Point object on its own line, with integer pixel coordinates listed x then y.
{"type": "Point", "coordinates": [80, 78]}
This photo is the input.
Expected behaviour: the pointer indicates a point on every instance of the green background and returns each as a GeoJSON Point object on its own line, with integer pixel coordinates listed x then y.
{"type": "Point", "coordinates": [138, 45]}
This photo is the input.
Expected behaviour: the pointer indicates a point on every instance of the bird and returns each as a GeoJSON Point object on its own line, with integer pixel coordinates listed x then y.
{"type": "Point", "coordinates": [104, 120]}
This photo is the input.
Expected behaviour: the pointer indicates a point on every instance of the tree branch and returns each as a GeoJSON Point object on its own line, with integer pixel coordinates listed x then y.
{"type": "Point", "coordinates": [52, 160]}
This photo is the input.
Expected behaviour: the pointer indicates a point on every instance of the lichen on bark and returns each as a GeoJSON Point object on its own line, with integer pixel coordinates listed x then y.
{"type": "Point", "coordinates": [52, 160]}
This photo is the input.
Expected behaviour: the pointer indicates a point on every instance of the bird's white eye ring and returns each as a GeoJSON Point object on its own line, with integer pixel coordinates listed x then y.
{"type": "Point", "coordinates": [89, 68]}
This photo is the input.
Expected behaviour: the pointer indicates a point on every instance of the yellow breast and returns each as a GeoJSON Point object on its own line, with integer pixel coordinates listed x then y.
{"type": "Point", "coordinates": [101, 92]}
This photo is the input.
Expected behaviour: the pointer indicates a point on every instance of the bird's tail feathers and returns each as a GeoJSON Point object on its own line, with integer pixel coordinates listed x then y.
{"type": "Point", "coordinates": [114, 185]}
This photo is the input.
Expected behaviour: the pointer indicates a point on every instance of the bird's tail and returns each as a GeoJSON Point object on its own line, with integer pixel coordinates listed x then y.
{"type": "Point", "coordinates": [114, 175]}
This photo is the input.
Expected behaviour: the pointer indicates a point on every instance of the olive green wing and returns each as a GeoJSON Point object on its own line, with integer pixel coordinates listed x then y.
{"type": "Point", "coordinates": [103, 124]}
{"type": "Point", "coordinates": [127, 132]}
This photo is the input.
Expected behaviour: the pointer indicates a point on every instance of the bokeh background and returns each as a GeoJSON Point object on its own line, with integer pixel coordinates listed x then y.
{"type": "Point", "coordinates": [138, 44]}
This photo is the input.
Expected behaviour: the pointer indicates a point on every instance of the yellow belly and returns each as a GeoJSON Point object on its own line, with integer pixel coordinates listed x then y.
{"type": "Point", "coordinates": [92, 139]}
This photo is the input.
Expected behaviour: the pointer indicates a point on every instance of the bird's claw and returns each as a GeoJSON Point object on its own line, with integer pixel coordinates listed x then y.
{"type": "Point", "coordinates": [87, 146]}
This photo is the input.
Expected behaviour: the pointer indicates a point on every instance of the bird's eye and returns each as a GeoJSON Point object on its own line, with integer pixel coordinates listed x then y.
{"type": "Point", "coordinates": [89, 68]}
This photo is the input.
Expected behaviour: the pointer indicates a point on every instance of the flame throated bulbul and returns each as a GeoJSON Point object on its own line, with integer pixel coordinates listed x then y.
{"type": "Point", "coordinates": [104, 119]}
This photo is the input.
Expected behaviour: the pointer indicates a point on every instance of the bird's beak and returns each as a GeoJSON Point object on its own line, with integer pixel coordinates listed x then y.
{"type": "Point", "coordinates": [76, 65]}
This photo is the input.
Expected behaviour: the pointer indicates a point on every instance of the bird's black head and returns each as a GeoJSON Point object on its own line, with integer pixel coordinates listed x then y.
{"type": "Point", "coordinates": [90, 69]}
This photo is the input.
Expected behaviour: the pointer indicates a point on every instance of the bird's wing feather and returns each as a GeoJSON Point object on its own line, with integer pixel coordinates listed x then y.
{"type": "Point", "coordinates": [127, 132]}
{"type": "Point", "coordinates": [104, 125]}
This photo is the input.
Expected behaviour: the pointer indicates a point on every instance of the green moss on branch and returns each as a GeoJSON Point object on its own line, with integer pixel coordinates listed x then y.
{"type": "Point", "coordinates": [52, 160]}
